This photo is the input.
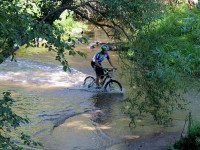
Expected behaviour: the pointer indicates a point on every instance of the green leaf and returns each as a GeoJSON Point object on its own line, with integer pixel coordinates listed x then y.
{"type": "Point", "coordinates": [71, 52]}
{"type": "Point", "coordinates": [65, 68]}
{"type": "Point", "coordinates": [82, 54]}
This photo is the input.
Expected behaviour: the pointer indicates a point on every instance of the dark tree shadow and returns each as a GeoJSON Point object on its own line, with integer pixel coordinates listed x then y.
{"type": "Point", "coordinates": [108, 105]}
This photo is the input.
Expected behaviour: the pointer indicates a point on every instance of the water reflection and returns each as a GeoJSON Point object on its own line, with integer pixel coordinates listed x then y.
{"type": "Point", "coordinates": [93, 129]}
{"type": "Point", "coordinates": [108, 105]}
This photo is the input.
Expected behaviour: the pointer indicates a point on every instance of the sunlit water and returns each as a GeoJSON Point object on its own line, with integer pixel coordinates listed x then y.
{"type": "Point", "coordinates": [39, 73]}
{"type": "Point", "coordinates": [53, 99]}
{"type": "Point", "coordinates": [65, 115]}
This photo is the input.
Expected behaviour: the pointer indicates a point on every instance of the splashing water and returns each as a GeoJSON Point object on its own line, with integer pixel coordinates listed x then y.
{"type": "Point", "coordinates": [39, 73]}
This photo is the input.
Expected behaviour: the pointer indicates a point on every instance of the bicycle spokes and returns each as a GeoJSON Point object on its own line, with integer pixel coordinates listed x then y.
{"type": "Point", "coordinates": [113, 85]}
{"type": "Point", "coordinates": [89, 81]}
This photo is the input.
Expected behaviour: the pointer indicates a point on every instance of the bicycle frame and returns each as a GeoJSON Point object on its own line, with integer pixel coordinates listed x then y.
{"type": "Point", "coordinates": [106, 76]}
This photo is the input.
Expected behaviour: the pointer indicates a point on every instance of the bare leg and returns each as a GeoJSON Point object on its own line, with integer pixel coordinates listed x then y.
{"type": "Point", "coordinates": [97, 80]}
{"type": "Point", "coordinates": [101, 79]}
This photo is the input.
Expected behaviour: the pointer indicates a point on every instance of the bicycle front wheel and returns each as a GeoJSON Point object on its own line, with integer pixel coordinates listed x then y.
{"type": "Point", "coordinates": [89, 82]}
{"type": "Point", "coordinates": [113, 86]}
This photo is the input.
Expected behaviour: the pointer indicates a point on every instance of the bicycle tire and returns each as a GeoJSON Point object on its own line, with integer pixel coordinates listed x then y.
{"type": "Point", "coordinates": [113, 85]}
{"type": "Point", "coordinates": [89, 81]}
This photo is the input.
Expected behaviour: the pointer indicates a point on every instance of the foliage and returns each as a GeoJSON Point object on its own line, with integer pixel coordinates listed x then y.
{"type": "Point", "coordinates": [192, 140]}
{"type": "Point", "coordinates": [129, 16]}
{"type": "Point", "coordinates": [67, 23]}
{"type": "Point", "coordinates": [160, 54]}
{"type": "Point", "coordinates": [9, 121]}
{"type": "Point", "coordinates": [20, 25]}
{"type": "Point", "coordinates": [178, 38]}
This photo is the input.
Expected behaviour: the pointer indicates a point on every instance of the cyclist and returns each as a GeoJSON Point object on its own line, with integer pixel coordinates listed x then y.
{"type": "Point", "coordinates": [96, 63]}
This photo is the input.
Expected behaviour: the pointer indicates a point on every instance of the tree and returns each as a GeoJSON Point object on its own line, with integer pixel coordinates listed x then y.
{"type": "Point", "coordinates": [22, 22]}
{"type": "Point", "coordinates": [162, 50]}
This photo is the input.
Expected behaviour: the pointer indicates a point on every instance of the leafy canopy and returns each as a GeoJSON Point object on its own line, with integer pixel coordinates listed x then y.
{"type": "Point", "coordinates": [160, 56]}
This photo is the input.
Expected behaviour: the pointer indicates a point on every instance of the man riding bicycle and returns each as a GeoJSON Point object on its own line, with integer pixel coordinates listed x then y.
{"type": "Point", "coordinates": [96, 63]}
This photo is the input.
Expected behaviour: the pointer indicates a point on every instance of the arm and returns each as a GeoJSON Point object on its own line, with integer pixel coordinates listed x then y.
{"type": "Point", "coordinates": [111, 63]}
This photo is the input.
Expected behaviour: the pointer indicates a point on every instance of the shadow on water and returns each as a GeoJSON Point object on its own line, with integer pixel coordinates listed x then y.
{"type": "Point", "coordinates": [97, 127]}
{"type": "Point", "coordinates": [103, 104]}
{"type": "Point", "coordinates": [107, 103]}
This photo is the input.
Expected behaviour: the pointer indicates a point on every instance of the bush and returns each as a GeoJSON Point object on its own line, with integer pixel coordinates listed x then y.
{"type": "Point", "coordinates": [163, 53]}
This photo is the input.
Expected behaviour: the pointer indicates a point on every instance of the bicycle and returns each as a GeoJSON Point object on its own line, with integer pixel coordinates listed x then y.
{"type": "Point", "coordinates": [108, 84]}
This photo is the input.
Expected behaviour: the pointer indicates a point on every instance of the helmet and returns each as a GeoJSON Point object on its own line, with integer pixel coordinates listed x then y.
{"type": "Point", "coordinates": [105, 47]}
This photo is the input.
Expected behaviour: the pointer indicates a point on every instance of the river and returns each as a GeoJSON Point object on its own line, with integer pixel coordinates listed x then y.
{"type": "Point", "coordinates": [66, 116]}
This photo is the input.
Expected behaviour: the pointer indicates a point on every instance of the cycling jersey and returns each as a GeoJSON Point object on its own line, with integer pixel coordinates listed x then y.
{"type": "Point", "coordinates": [100, 57]}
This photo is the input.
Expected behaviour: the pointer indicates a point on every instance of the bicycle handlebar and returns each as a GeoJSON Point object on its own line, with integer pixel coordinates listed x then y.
{"type": "Point", "coordinates": [109, 69]}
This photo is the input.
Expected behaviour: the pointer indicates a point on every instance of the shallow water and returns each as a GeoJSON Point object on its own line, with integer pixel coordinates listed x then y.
{"type": "Point", "coordinates": [66, 116]}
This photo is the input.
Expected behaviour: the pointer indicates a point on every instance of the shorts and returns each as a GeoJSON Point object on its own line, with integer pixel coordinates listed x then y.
{"type": "Point", "coordinates": [98, 70]}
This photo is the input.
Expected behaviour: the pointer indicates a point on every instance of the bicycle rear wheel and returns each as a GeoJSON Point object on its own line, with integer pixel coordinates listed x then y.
{"type": "Point", "coordinates": [89, 82]}
{"type": "Point", "coordinates": [113, 86]}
